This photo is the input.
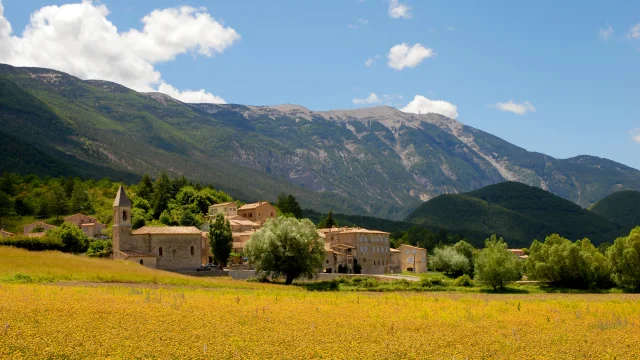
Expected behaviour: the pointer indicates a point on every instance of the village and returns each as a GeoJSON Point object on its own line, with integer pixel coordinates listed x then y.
{"type": "Point", "coordinates": [348, 250]}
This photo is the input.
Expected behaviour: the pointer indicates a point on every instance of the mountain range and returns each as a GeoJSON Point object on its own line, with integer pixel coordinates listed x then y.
{"type": "Point", "coordinates": [375, 161]}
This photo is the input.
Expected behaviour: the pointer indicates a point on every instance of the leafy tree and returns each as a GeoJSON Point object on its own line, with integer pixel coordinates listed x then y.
{"type": "Point", "coordinates": [6, 206]}
{"type": "Point", "coordinates": [42, 207]}
{"type": "Point", "coordinates": [177, 184]}
{"type": "Point", "coordinates": [568, 264]}
{"type": "Point", "coordinates": [57, 200]}
{"type": "Point", "coordinates": [145, 188]}
{"type": "Point", "coordinates": [8, 183]}
{"type": "Point", "coordinates": [328, 222]}
{"type": "Point", "coordinates": [99, 248]}
{"type": "Point", "coordinates": [286, 247]}
{"type": "Point", "coordinates": [138, 218]}
{"type": "Point", "coordinates": [449, 261]}
{"type": "Point", "coordinates": [495, 265]}
{"type": "Point", "coordinates": [220, 240]}
{"type": "Point", "coordinates": [624, 257]}
{"type": "Point", "coordinates": [165, 218]}
{"type": "Point", "coordinates": [187, 218]}
{"type": "Point", "coordinates": [162, 190]}
{"type": "Point", "coordinates": [22, 208]}
{"type": "Point", "coordinates": [289, 205]}
{"type": "Point", "coordinates": [71, 237]}
{"type": "Point", "coordinates": [467, 250]}
{"type": "Point", "coordinates": [80, 201]}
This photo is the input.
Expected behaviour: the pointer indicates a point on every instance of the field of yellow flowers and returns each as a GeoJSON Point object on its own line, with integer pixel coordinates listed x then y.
{"type": "Point", "coordinates": [151, 321]}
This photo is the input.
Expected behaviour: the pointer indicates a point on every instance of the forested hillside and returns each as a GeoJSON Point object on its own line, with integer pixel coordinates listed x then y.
{"type": "Point", "coordinates": [517, 212]}
{"type": "Point", "coordinates": [622, 207]}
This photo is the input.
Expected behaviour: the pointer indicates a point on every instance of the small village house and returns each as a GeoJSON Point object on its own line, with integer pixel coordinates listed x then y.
{"type": "Point", "coordinates": [4, 233]}
{"type": "Point", "coordinates": [413, 258]}
{"type": "Point", "coordinates": [37, 227]}
{"type": "Point", "coordinates": [258, 212]}
{"type": "Point", "coordinates": [348, 246]}
{"type": "Point", "coordinates": [396, 264]}
{"type": "Point", "coordinates": [89, 225]}
{"type": "Point", "coordinates": [227, 209]}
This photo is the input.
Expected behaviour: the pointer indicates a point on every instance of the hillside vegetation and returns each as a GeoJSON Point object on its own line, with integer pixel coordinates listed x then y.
{"type": "Point", "coordinates": [622, 207]}
{"type": "Point", "coordinates": [375, 161]}
{"type": "Point", "coordinates": [517, 212]}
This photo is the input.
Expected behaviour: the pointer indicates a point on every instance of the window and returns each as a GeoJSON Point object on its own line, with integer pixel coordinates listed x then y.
{"type": "Point", "coordinates": [160, 251]}
{"type": "Point", "coordinates": [141, 262]}
{"type": "Point", "coordinates": [192, 251]}
{"type": "Point", "coordinates": [271, 214]}
{"type": "Point", "coordinates": [326, 261]}
{"type": "Point", "coordinates": [258, 214]}
{"type": "Point", "coordinates": [124, 217]}
{"type": "Point", "coordinates": [407, 252]}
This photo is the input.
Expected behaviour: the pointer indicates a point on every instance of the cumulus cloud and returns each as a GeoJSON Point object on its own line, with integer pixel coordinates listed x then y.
{"type": "Point", "coordinates": [515, 108]}
{"type": "Point", "coordinates": [634, 32]}
{"type": "Point", "coordinates": [606, 33]}
{"type": "Point", "coordinates": [79, 39]}
{"type": "Point", "coordinates": [422, 105]}
{"type": "Point", "coordinates": [398, 10]}
{"type": "Point", "coordinates": [401, 55]}
{"type": "Point", "coordinates": [375, 99]}
{"type": "Point", "coordinates": [635, 135]}
{"type": "Point", "coordinates": [370, 61]}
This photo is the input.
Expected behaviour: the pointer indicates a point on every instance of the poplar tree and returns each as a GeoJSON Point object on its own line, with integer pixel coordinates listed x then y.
{"type": "Point", "coordinates": [220, 240]}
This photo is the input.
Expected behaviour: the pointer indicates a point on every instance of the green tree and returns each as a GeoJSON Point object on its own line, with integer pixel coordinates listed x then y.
{"type": "Point", "coordinates": [467, 250]}
{"type": "Point", "coordinates": [145, 188]}
{"type": "Point", "coordinates": [328, 222]}
{"type": "Point", "coordinates": [162, 194]}
{"type": "Point", "coordinates": [449, 261]}
{"type": "Point", "coordinates": [57, 200]}
{"type": "Point", "coordinates": [568, 264]}
{"type": "Point", "coordinates": [220, 240]}
{"type": "Point", "coordinates": [6, 206]}
{"type": "Point", "coordinates": [80, 201]}
{"type": "Point", "coordinates": [495, 265]}
{"type": "Point", "coordinates": [71, 237]}
{"type": "Point", "coordinates": [138, 218]}
{"type": "Point", "coordinates": [286, 247]}
{"type": "Point", "coordinates": [624, 258]}
{"type": "Point", "coordinates": [289, 205]}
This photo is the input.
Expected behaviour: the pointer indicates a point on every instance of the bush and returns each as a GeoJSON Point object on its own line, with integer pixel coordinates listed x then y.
{"type": "Point", "coordinates": [430, 282]}
{"type": "Point", "coordinates": [464, 280]}
{"type": "Point", "coordinates": [100, 248]}
{"type": "Point", "coordinates": [73, 239]}
{"type": "Point", "coordinates": [32, 243]}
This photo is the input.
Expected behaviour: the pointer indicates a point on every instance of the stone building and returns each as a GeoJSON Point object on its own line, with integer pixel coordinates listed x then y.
{"type": "Point", "coordinates": [88, 224]}
{"type": "Point", "coordinates": [368, 248]}
{"type": "Point", "coordinates": [396, 263]}
{"type": "Point", "coordinates": [162, 247]}
{"type": "Point", "coordinates": [38, 225]}
{"type": "Point", "coordinates": [258, 212]}
{"type": "Point", "coordinates": [227, 209]}
{"type": "Point", "coordinates": [4, 233]}
{"type": "Point", "coordinates": [413, 259]}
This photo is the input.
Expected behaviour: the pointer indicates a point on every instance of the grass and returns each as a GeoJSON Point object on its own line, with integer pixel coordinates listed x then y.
{"type": "Point", "coordinates": [22, 266]}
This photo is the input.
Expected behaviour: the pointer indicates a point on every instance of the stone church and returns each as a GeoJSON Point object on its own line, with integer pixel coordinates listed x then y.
{"type": "Point", "coordinates": [162, 247]}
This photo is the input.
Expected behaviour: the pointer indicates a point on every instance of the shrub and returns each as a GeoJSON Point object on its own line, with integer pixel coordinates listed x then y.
{"type": "Point", "coordinates": [464, 280]}
{"type": "Point", "coordinates": [73, 239]}
{"type": "Point", "coordinates": [449, 261]}
{"type": "Point", "coordinates": [431, 281]}
{"type": "Point", "coordinates": [32, 243]}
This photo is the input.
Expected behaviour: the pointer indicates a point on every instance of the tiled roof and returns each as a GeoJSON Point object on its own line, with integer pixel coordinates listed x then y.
{"type": "Point", "coordinates": [169, 230]}
{"type": "Point", "coordinates": [222, 204]}
{"type": "Point", "coordinates": [129, 253]}
{"type": "Point", "coordinates": [252, 205]}
{"type": "Point", "coordinates": [394, 250]}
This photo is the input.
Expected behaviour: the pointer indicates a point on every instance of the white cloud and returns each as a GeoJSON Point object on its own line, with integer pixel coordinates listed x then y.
{"type": "Point", "coordinates": [79, 39]}
{"type": "Point", "coordinates": [190, 96]}
{"type": "Point", "coordinates": [450, 28]}
{"type": "Point", "coordinates": [375, 99]}
{"type": "Point", "coordinates": [634, 32]}
{"type": "Point", "coordinates": [635, 135]}
{"type": "Point", "coordinates": [422, 105]}
{"type": "Point", "coordinates": [398, 10]}
{"type": "Point", "coordinates": [363, 21]}
{"type": "Point", "coordinates": [606, 33]}
{"type": "Point", "coordinates": [401, 55]}
{"type": "Point", "coordinates": [360, 21]}
{"type": "Point", "coordinates": [515, 108]}
{"type": "Point", "coordinates": [370, 61]}
{"type": "Point", "coordinates": [371, 99]}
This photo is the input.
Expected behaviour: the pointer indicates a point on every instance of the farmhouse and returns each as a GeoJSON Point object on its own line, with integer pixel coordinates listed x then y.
{"type": "Point", "coordinates": [37, 227]}
{"type": "Point", "coordinates": [258, 212]}
{"type": "Point", "coordinates": [5, 233]}
{"type": "Point", "coordinates": [350, 246]}
{"type": "Point", "coordinates": [162, 247]}
{"type": "Point", "coordinates": [88, 224]}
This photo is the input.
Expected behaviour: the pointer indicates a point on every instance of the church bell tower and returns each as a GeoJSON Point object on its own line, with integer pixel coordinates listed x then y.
{"type": "Point", "coordinates": [121, 221]}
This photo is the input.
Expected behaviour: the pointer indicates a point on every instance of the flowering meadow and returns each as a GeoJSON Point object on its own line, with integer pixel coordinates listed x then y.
{"type": "Point", "coordinates": [151, 321]}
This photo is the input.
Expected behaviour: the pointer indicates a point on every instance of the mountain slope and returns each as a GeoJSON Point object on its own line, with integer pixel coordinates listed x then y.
{"type": "Point", "coordinates": [622, 207]}
{"type": "Point", "coordinates": [518, 212]}
{"type": "Point", "coordinates": [375, 161]}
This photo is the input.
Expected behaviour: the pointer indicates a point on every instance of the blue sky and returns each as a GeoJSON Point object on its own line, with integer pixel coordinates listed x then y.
{"type": "Point", "coordinates": [574, 62]}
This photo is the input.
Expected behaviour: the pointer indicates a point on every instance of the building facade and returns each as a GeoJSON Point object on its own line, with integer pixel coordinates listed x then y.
{"type": "Point", "coordinates": [39, 227]}
{"type": "Point", "coordinates": [350, 246]}
{"type": "Point", "coordinates": [162, 247]}
{"type": "Point", "coordinates": [258, 212]}
{"type": "Point", "coordinates": [88, 224]}
{"type": "Point", "coordinates": [413, 259]}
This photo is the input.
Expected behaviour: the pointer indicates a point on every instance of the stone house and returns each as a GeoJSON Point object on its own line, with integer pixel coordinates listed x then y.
{"type": "Point", "coordinates": [368, 248]}
{"type": "Point", "coordinates": [4, 233]}
{"type": "Point", "coordinates": [29, 229]}
{"type": "Point", "coordinates": [89, 225]}
{"type": "Point", "coordinates": [396, 264]}
{"type": "Point", "coordinates": [162, 247]}
{"type": "Point", "coordinates": [258, 212]}
{"type": "Point", "coordinates": [227, 209]}
{"type": "Point", "coordinates": [413, 259]}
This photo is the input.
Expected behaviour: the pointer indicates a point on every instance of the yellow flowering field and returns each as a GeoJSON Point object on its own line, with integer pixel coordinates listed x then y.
{"type": "Point", "coordinates": [155, 322]}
